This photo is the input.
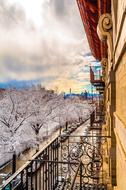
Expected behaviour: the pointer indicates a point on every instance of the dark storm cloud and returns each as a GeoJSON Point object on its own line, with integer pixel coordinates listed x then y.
{"type": "Point", "coordinates": [12, 66]}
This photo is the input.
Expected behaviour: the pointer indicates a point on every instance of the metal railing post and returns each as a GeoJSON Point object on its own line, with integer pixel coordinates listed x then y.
{"type": "Point", "coordinates": [14, 163]}
{"type": "Point", "coordinates": [81, 176]}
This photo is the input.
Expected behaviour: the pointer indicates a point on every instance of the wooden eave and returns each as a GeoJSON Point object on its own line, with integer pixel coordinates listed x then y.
{"type": "Point", "coordinates": [90, 11]}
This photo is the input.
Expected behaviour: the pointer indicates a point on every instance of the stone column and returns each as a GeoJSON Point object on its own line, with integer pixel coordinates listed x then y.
{"type": "Point", "coordinates": [104, 30]}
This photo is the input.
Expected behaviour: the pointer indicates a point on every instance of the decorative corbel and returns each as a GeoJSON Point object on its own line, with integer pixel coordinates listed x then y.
{"type": "Point", "coordinates": [104, 30]}
{"type": "Point", "coordinates": [104, 63]}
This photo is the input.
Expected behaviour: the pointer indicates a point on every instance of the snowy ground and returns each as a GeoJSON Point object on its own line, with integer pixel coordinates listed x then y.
{"type": "Point", "coordinates": [27, 116]}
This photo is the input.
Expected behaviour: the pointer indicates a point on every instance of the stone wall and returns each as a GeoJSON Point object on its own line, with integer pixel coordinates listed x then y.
{"type": "Point", "coordinates": [116, 90]}
{"type": "Point", "coordinates": [119, 69]}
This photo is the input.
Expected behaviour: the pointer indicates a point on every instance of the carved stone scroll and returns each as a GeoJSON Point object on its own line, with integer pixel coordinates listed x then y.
{"type": "Point", "coordinates": [104, 30]}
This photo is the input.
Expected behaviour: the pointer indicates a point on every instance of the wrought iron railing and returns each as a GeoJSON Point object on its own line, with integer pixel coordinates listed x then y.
{"type": "Point", "coordinates": [73, 163]}
{"type": "Point", "coordinates": [37, 174]}
{"type": "Point", "coordinates": [89, 151]}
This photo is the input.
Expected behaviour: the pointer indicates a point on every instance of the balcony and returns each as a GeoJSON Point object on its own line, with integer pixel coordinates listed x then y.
{"type": "Point", "coordinates": [76, 163]}
{"type": "Point", "coordinates": [97, 81]}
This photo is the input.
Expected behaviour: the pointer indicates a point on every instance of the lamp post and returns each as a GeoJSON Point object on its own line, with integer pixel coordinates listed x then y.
{"type": "Point", "coordinates": [13, 152]}
{"type": "Point", "coordinates": [92, 92]}
{"type": "Point", "coordinates": [14, 163]}
{"type": "Point", "coordinates": [66, 125]}
{"type": "Point", "coordinates": [13, 159]}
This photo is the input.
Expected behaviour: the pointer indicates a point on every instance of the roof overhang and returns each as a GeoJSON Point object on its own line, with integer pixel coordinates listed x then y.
{"type": "Point", "coordinates": [90, 11]}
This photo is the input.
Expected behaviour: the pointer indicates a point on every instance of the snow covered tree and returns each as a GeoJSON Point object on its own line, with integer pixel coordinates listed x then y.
{"type": "Point", "coordinates": [45, 110]}
{"type": "Point", "coordinates": [29, 115]}
{"type": "Point", "coordinates": [13, 113]}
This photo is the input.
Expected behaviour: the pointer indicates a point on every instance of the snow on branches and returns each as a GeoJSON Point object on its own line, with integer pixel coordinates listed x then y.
{"type": "Point", "coordinates": [29, 115]}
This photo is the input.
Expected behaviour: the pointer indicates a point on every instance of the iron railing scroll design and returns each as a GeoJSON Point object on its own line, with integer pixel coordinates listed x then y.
{"type": "Point", "coordinates": [75, 163]}
{"type": "Point", "coordinates": [87, 151]}
{"type": "Point", "coordinates": [39, 173]}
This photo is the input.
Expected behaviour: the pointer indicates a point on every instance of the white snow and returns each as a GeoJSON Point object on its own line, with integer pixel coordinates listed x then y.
{"type": "Point", "coordinates": [28, 115]}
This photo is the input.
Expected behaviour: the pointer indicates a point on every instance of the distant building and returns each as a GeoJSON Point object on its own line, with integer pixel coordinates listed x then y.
{"type": "Point", "coordinates": [2, 91]}
{"type": "Point", "coordinates": [85, 95]}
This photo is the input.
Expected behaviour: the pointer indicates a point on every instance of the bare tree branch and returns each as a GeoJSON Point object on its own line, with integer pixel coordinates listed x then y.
{"type": "Point", "coordinates": [22, 122]}
{"type": "Point", "coordinates": [12, 110]}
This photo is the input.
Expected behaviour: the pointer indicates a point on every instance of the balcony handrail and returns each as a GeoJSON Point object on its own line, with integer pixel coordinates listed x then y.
{"type": "Point", "coordinates": [38, 154]}
{"type": "Point", "coordinates": [18, 172]}
{"type": "Point", "coordinates": [11, 178]}
{"type": "Point", "coordinates": [86, 136]}
{"type": "Point", "coordinates": [94, 77]}
{"type": "Point", "coordinates": [74, 179]}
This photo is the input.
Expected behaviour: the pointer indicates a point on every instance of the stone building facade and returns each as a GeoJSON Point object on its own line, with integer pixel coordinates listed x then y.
{"type": "Point", "coordinates": [110, 25]}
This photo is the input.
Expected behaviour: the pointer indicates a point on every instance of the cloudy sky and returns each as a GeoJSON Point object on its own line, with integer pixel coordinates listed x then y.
{"type": "Point", "coordinates": [43, 41]}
